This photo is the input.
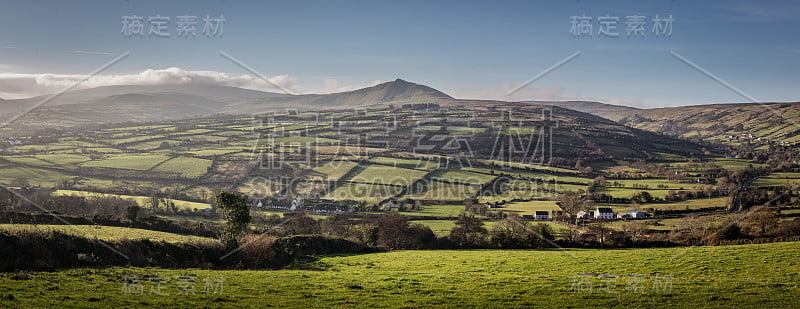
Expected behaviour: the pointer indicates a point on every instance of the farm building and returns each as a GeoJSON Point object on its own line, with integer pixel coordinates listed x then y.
{"type": "Point", "coordinates": [585, 215]}
{"type": "Point", "coordinates": [541, 215]}
{"type": "Point", "coordinates": [527, 217]}
{"type": "Point", "coordinates": [623, 215]}
{"type": "Point", "coordinates": [635, 214]}
{"type": "Point", "coordinates": [390, 204]}
{"type": "Point", "coordinates": [604, 213]}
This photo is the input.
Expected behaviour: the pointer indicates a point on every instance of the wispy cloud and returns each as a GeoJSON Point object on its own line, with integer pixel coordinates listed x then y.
{"type": "Point", "coordinates": [20, 85]}
{"type": "Point", "coordinates": [89, 52]}
{"type": "Point", "coordinates": [332, 85]}
{"type": "Point", "coordinates": [766, 11]}
{"type": "Point", "coordinates": [15, 85]}
{"type": "Point", "coordinates": [6, 67]}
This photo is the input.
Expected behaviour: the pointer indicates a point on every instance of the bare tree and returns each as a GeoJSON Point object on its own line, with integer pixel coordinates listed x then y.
{"type": "Point", "coordinates": [574, 202]}
{"type": "Point", "coordinates": [759, 221]}
{"type": "Point", "coordinates": [469, 231]}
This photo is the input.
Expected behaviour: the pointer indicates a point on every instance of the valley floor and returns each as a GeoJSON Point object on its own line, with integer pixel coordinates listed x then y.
{"type": "Point", "coordinates": [749, 276]}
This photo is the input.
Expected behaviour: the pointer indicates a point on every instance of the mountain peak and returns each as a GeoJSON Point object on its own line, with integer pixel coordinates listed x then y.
{"type": "Point", "coordinates": [400, 89]}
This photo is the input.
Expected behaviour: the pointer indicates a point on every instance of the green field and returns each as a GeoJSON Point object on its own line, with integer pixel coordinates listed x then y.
{"type": "Point", "coordinates": [186, 167]}
{"type": "Point", "coordinates": [446, 192]}
{"type": "Point", "coordinates": [439, 227]}
{"type": "Point", "coordinates": [130, 162]}
{"type": "Point", "coordinates": [654, 184]}
{"type": "Point", "coordinates": [628, 193]}
{"type": "Point", "coordinates": [105, 233]}
{"type": "Point", "coordinates": [332, 170]}
{"type": "Point", "coordinates": [216, 151]}
{"type": "Point", "coordinates": [382, 174]}
{"type": "Point", "coordinates": [715, 202]}
{"type": "Point", "coordinates": [557, 178]}
{"type": "Point", "coordinates": [141, 200]}
{"type": "Point", "coordinates": [466, 177]}
{"type": "Point", "coordinates": [60, 161]}
{"type": "Point", "coordinates": [363, 192]}
{"type": "Point", "coordinates": [407, 163]}
{"type": "Point", "coordinates": [525, 166]}
{"type": "Point", "coordinates": [748, 276]}
{"type": "Point", "coordinates": [530, 207]}
{"type": "Point", "coordinates": [34, 176]}
{"type": "Point", "coordinates": [778, 179]}
{"type": "Point", "coordinates": [692, 204]}
{"type": "Point", "coordinates": [513, 195]}
{"type": "Point", "coordinates": [436, 210]}
{"type": "Point", "coordinates": [735, 164]}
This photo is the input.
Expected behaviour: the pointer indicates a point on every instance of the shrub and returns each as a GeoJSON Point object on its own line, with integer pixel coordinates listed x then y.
{"type": "Point", "coordinates": [257, 250]}
{"type": "Point", "coordinates": [237, 217]}
{"type": "Point", "coordinates": [47, 250]}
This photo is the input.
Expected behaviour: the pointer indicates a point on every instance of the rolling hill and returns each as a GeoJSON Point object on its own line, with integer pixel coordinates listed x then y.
{"type": "Point", "coordinates": [396, 92]}
{"type": "Point", "coordinates": [163, 102]}
{"type": "Point", "coordinates": [759, 124]}
{"type": "Point", "coordinates": [114, 104]}
{"type": "Point", "coordinates": [595, 108]}
{"type": "Point", "coordinates": [731, 124]}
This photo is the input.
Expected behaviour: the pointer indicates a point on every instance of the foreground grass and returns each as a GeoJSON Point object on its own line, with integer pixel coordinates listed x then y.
{"type": "Point", "coordinates": [105, 233]}
{"type": "Point", "coordinates": [748, 276]}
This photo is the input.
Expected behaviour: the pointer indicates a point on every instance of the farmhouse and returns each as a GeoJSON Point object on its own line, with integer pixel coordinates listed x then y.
{"type": "Point", "coordinates": [541, 215]}
{"type": "Point", "coordinates": [585, 215]}
{"type": "Point", "coordinates": [604, 213]}
{"type": "Point", "coordinates": [635, 214]}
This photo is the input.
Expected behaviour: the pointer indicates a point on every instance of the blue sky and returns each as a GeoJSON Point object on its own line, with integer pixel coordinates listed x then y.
{"type": "Point", "coordinates": [466, 49]}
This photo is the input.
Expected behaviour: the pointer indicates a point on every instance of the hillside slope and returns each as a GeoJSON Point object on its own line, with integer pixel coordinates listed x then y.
{"type": "Point", "coordinates": [595, 108]}
{"type": "Point", "coordinates": [154, 103]}
{"type": "Point", "coordinates": [760, 124]}
{"type": "Point", "coordinates": [732, 124]}
{"type": "Point", "coordinates": [397, 92]}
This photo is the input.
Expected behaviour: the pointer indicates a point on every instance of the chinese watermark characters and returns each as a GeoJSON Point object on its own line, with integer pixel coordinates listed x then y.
{"type": "Point", "coordinates": [185, 26]}
{"type": "Point", "coordinates": [164, 286]}
{"type": "Point", "coordinates": [614, 284]}
{"type": "Point", "coordinates": [610, 26]}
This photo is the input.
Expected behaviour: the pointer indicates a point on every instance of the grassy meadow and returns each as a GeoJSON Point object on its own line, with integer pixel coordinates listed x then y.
{"type": "Point", "coordinates": [748, 276]}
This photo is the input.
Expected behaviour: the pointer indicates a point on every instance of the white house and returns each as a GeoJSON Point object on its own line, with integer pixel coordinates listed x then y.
{"type": "Point", "coordinates": [604, 213]}
{"type": "Point", "coordinates": [584, 215]}
{"type": "Point", "coordinates": [635, 214]}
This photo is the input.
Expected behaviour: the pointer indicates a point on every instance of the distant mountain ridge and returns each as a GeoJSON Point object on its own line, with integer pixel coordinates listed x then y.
{"type": "Point", "coordinates": [760, 124]}
{"type": "Point", "coordinates": [174, 101]}
{"type": "Point", "coordinates": [604, 110]}
{"type": "Point", "coordinates": [163, 102]}
{"type": "Point", "coordinates": [395, 92]}
{"type": "Point", "coordinates": [737, 123]}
